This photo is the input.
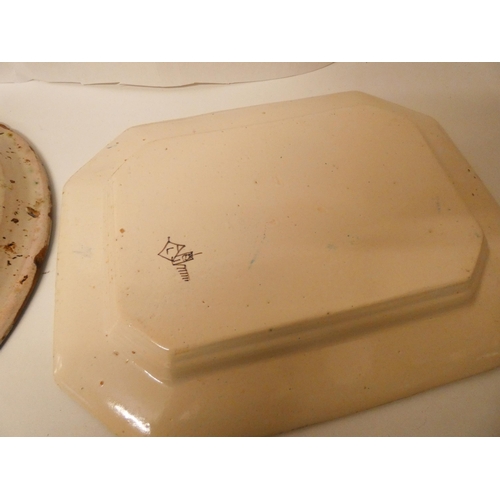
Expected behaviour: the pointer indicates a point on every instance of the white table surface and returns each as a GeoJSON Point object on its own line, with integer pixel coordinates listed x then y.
{"type": "Point", "coordinates": [68, 124]}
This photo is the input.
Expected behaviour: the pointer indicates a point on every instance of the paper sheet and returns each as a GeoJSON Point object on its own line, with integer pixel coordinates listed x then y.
{"type": "Point", "coordinates": [152, 74]}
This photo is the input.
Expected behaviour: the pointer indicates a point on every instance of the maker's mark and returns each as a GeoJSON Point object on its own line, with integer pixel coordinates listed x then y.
{"type": "Point", "coordinates": [174, 253]}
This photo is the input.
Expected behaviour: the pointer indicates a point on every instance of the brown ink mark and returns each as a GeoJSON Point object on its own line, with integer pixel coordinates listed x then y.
{"type": "Point", "coordinates": [174, 253]}
{"type": "Point", "coordinates": [25, 277]}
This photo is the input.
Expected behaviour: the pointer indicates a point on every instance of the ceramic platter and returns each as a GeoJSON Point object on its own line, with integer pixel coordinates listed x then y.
{"type": "Point", "coordinates": [257, 270]}
{"type": "Point", "coordinates": [25, 225]}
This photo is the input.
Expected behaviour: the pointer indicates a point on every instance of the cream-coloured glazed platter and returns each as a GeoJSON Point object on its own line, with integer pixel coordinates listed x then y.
{"type": "Point", "coordinates": [258, 270]}
{"type": "Point", "coordinates": [25, 225]}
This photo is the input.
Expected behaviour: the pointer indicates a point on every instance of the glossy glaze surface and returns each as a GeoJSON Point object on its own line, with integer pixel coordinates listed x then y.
{"type": "Point", "coordinates": [254, 271]}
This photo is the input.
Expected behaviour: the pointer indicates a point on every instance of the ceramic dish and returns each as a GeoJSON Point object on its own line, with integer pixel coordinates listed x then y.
{"type": "Point", "coordinates": [25, 225]}
{"type": "Point", "coordinates": [262, 269]}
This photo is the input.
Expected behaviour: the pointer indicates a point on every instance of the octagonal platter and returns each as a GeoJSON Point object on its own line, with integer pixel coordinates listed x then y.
{"type": "Point", "coordinates": [257, 270]}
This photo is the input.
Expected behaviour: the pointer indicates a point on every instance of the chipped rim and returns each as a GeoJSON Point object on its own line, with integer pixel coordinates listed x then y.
{"type": "Point", "coordinates": [25, 211]}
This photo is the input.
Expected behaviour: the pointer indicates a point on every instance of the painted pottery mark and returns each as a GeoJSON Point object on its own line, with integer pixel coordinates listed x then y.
{"type": "Point", "coordinates": [174, 253]}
